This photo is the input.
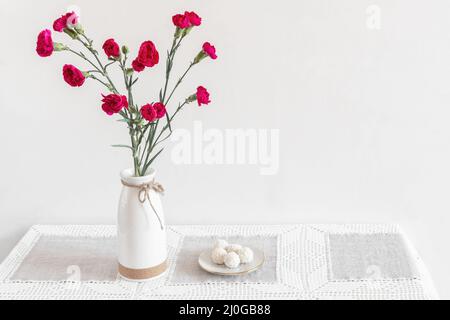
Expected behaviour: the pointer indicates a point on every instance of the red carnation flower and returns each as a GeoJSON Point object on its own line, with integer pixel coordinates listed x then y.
{"type": "Point", "coordinates": [111, 48]}
{"type": "Point", "coordinates": [137, 66]}
{"type": "Point", "coordinates": [149, 113]}
{"type": "Point", "coordinates": [148, 55]}
{"type": "Point", "coordinates": [202, 96]}
{"type": "Point", "coordinates": [210, 50]}
{"type": "Point", "coordinates": [67, 20]}
{"type": "Point", "coordinates": [73, 76]}
{"type": "Point", "coordinates": [114, 103]}
{"type": "Point", "coordinates": [160, 109]}
{"type": "Point", "coordinates": [181, 21]}
{"type": "Point", "coordinates": [44, 46]}
{"type": "Point", "coordinates": [194, 19]}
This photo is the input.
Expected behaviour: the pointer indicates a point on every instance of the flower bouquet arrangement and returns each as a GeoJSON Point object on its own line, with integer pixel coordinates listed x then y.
{"type": "Point", "coordinates": [142, 251]}
{"type": "Point", "coordinates": [150, 124]}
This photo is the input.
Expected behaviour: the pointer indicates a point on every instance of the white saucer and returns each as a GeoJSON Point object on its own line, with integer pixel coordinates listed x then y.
{"type": "Point", "coordinates": [208, 265]}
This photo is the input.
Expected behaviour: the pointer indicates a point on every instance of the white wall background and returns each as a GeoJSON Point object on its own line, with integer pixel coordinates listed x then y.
{"type": "Point", "coordinates": [363, 116]}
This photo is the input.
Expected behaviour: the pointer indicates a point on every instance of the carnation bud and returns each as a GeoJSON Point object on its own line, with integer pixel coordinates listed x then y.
{"type": "Point", "coordinates": [191, 98]}
{"type": "Point", "coordinates": [79, 28]}
{"type": "Point", "coordinates": [129, 71]}
{"type": "Point", "coordinates": [59, 46]}
{"type": "Point", "coordinates": [186, 31]}
{"type": "Point", "coordinates": [200, 56]}
{"type": "Point", "coordinates": [178, 32]}
{"type": "Point", "coordinates": [125, 50]}
{"type": "Point", "coordinates": [141, 122]}
{"type": "Point", "coordinates": [71, 33]}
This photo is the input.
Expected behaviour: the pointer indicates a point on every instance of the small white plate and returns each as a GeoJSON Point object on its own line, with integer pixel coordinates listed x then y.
{"type": "Point", "coordinates": [208, 265]}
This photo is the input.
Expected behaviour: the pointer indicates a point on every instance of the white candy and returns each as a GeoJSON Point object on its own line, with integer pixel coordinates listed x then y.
{"type": "Point", "coordinates": [233, 247]}
{"type": "Point", "coordinates": [232, 260]}
{"type": "Point", "coordinates": [245, 255]}
{"type": "Point", "coordinates": [218, 255]}
{"type": "Point", "coordinates": [220, 243]}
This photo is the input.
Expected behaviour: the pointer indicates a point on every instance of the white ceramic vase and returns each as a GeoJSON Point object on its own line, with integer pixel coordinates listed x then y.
{"type": "Point", "coordinates": [141, 230]}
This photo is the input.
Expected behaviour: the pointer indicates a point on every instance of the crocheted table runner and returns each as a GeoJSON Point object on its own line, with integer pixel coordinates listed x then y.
{"type": "Point", "coordinates": [302, 262]}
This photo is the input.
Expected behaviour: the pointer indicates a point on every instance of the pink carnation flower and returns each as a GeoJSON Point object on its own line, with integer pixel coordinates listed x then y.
{"type": "Point", "coordinates": [210, 50]}
{"type": "Point", "coordinates": [202, 96]}
{"type": "Point", "coordinates": [44, 46]}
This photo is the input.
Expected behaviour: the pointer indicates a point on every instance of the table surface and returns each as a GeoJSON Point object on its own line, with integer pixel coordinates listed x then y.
{"type": "Point", "coordinates": [348, 261]}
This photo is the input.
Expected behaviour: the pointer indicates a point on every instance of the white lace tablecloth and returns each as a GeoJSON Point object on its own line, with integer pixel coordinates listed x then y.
{"type": "Point", "coordinates": [302, 262]}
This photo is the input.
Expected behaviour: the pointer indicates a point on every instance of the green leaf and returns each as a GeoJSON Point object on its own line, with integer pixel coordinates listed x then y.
{"type": "Point", "coordinates": [122, 146]}
{"type": "Point", "coordinates": [168, 122]}
{"type": "Point", "coordinates": [110, 64]}
{"type": "Point", "coordinates": [156, 155]}
{"type": "Point", "coordinates": [153, 159]}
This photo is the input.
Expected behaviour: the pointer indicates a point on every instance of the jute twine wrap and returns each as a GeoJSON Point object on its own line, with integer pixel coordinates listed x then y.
{"type": "Point", "coordinates": [142, 274]}
{"type": "Point", "coordinates": [144, 195]}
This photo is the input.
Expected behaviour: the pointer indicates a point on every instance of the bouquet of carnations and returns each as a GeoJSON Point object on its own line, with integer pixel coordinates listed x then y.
{"type": "Point", "coordinates": [148, 124]}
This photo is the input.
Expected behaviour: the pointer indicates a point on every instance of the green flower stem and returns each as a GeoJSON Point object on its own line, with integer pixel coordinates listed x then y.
{"type": "Point", "coordinates": [134, 128]}
{"type": "Point", "coordinates": [128, 85]}
{"type": "Point", "coordinates": [143, 152]}
{"type": "Point", "coordinates": [179, 82]}
{"type": "Point", "coordinates": [169, 65]}
{"type": "Point", "coordinates": [102, 82]}
{"type": "Point", "coordinates": [82, 56]}
{"type": "Point", "coordinates": [101, 69]}
{"type": "Point", "coordinates": [142, 149]}
{"type": "Point", "coordinates": [148, 148]}
{"type": "Point", "coordinates": [90, 71]}
{"type": "Point", "coordinates": [95, 55]}
{"type": "Point", "coordinates": [157, 141]}
{"type": "Point", "coordinates": [169, 120]}
{"type": "Point", "coordinates": [168, 68]}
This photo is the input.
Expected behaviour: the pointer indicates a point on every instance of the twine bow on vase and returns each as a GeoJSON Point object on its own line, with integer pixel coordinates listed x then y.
{"type": "Point", "coordinates": [144, 195]}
